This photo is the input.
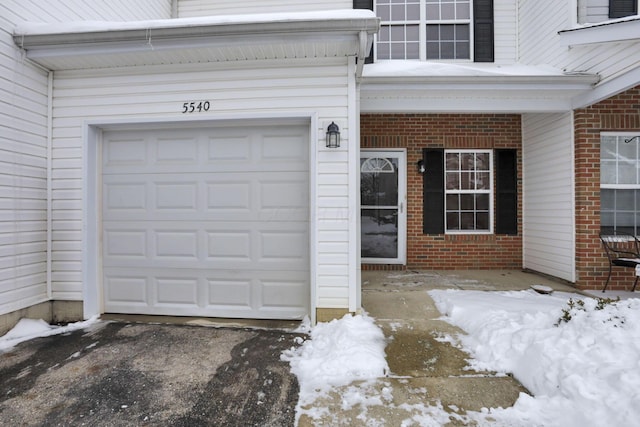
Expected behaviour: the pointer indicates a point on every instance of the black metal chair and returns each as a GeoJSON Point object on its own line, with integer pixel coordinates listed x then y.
{"type": "Point", "coordinates": [623, 250]}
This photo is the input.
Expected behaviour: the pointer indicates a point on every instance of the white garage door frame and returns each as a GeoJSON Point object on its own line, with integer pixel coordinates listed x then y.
{"type": "Point", "coordinates": [92, 275]}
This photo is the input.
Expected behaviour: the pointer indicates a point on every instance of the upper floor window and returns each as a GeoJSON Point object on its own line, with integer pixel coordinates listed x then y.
{"type": "Point", "coordinates": [593, 11]}
{"type": "Point", "coordinates": [435, 30]}
{"type": "Point", "coordinates": [424, 29]}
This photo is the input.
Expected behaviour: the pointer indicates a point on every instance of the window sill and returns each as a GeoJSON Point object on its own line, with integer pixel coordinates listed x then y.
{"type": "Point", "coordinates": [614, 31]}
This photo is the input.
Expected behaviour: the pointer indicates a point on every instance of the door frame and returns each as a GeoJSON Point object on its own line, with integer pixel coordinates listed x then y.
{"type": "Point", "coordinates": [401, 154]}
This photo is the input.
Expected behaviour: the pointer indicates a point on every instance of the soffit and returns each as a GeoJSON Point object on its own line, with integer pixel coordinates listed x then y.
{"type": "Point", "coordinates": [198, 40]}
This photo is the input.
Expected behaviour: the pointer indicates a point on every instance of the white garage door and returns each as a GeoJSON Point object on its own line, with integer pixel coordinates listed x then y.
{"type": "Point", "coordinates": [207, 221]}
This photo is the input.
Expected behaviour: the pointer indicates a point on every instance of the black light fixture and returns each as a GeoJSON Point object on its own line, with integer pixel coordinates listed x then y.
{"type": "Point", "coordinates": [420, 166]}
{"type": "Point", "coordinates": [333, 136]}
{"type": "Point", "coordinates": [631, 139]}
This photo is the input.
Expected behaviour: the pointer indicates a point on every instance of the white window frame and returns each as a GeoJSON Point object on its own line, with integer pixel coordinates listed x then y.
{"type": "Point", "coordinates": [616, 186]}
{"type": "Point", "coordinates": [422, 23]}
{"type": "Point", "coordinates": [488, 191]}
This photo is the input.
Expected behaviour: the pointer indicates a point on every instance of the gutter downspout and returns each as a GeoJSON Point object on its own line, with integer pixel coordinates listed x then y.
{"type": "Point", "coordinates": [49, 183]}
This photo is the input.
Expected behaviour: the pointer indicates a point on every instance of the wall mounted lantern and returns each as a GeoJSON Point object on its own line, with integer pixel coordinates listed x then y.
{"type": "Point", "coordinates": [420, 166]}
{"type": "Point", "coordinates": [333, 136]}
{"type": "Point", "coordinates": [631, 139]}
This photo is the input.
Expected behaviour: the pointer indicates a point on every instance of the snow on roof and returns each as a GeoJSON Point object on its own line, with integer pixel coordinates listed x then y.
{"type": "Point", "coordinates": [39, 28]}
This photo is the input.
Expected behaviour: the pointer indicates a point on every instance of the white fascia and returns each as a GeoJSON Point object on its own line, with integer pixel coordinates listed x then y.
{"type": "Point", "coordinates": [95, 38]}
{"type": "Point", "coordinates": [623, 30]}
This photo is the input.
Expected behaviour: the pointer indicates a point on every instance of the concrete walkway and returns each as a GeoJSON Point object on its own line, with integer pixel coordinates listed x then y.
{"type": "Point", "coordinates": [429, 383]}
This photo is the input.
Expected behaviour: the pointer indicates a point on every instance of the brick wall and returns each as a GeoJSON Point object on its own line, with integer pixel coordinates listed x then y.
{"type": "Point", "coordinates": [618, 113]}
{"type": "Point", "coordinates": [477, 131]}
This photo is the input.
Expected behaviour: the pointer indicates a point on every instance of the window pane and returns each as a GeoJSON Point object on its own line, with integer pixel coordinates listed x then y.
{"type": "Point", "coordinates": [627, 151]}
{"type": "Point", "coordinates": [453, 221]}
{"type": "Point", "coordinates": [608, 172]}
{"type": "Point", "coordinates": [453, 161]}
{"type": "Point", "coordinates": [462, 32]}
{"type": "Point", "coordinates": [384, 12]}
{"type": "Point", "coordinates": [627, 173]}
{"type": "Point", "coordinates": [607, 199]}
{"type": "Point", "coordinates": [398, 12]}
{"type": "Point", "coordinates": [447, 50]}
{"type": "Point", "coordinates": [453, 180]}
{"type": "Point", "coordinates": [482, 202]}
{"type": "Point", "coordinates": [467, 181]}
{"type": "Point", "coordinates": [625, 200]}
{"type": "Point", "coordinates": [413, 12]}
{"type": "Point", "coordinates": [467, 202]}
{"type": "Point", "coordinates": [483, 181]}
{"type": "Point", "coordinates": [433, 11]}
{"type": "Point", "coordinates": [453, 202]}
{"type": "Point", "coordinates": [462, 11]}
{"type": "Point", "coordinates": [447, 11]}
{"type": "Point", "coordinates": [433, 33]}
{"type": "Point", "coordinates": [608, 147]}
{"type": "Point", "coordinates": [397, 33]}
{"type": "Point", "coordinates": [413, 51]}
{"type": "Point", "coordinates": [462, 50]}
{"type": "Point", "coordinates": [467, 221]}
{"type": "Point", "coordinates": [447, 32]}
{"type": "Point", "coordinates": [482, 221]}
{"type": "Point", "coordinates": [379, 235]}
{"type": "Point", "coordinates": [467, 161]}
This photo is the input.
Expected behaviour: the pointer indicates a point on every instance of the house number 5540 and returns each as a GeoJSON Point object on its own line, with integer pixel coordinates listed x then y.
{"type": "Point", "coordinates": [193, 107]}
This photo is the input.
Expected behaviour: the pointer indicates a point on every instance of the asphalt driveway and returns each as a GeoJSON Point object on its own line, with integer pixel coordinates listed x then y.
{"type": "Point", "coordinates": [123, 374]}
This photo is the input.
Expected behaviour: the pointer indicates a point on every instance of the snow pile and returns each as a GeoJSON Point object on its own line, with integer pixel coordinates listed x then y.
{"type": "Point", "coordinates": [582, 372]}
{"type": "Point", "coordinates": [337, 353]}
{"type": "Point", "coordinates": [27, 329]}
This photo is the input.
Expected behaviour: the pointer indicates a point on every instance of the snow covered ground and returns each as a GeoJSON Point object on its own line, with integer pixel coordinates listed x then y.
{"type": "Point", "coordinates": [582, 371]}
{"type": "Point", "coordinates": [28, 329]}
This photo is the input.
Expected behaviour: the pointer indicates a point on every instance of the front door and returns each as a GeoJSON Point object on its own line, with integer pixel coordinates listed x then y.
{"type": "Point", "coordinates": [383, 206]}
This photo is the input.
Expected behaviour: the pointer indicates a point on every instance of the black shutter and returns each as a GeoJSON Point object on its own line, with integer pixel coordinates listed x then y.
{"type": "Point", "coordinates": [433, 191]}
{"type": "Point", "coordinates": [365, 4]}
{"type": "Point", "coordinates": [622, 8]}
{"type": "Point", "coordinates": [506, 170]}
{"type": "Point", "coordinates": [483, 31]}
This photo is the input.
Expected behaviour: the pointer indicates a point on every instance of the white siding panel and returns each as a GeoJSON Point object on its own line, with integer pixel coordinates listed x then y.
{"type": "Point", "coordinates": [506, 31]}
{"type": "Point", "coordinates": [195, 8]}
{"type": "Point", "coordinates": [234, 90]}
{"type": "Point", "coordinates": [548, 217]}
{"type": "Point", "coordinates": [23, 144]}
{"type": "Point", "coordinates": [23, 172]}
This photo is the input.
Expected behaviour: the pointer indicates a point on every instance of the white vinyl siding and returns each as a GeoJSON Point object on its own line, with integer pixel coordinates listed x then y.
{"type": "Point", "coordinates": [23, 173]}
{"type": "Point", "coordinates": [549, 213]}
{"type": "Point", "coordinates": [196, 8]}
{"type": "Point", "coordinates": [234, 90]}
{"type": "Point", "coordinates": [23, 145]}
{"type": "Point", "coordinates": [505, 15]}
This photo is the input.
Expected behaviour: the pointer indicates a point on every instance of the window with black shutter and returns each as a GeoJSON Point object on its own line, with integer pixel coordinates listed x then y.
{"type": "Point", "coordinates": [622, 8]}
{"type": "Point", "coordinates": [458, 193]}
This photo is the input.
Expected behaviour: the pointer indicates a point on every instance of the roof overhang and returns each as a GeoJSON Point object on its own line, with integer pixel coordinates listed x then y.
{"type": "Point", "coordinates": [82, 45]}
{"type": "Point", "coordinates": [426, 87]}
{"type": "Point", "coordinates": [614, 31]}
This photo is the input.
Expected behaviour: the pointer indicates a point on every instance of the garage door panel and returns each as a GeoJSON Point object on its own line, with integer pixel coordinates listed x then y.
{"type": "Point", "coordinates": [226, 293]}
{"type": "Point", "coordinates": [207, 222]}
{"type": "Point", "coordinates": [230, 197]}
